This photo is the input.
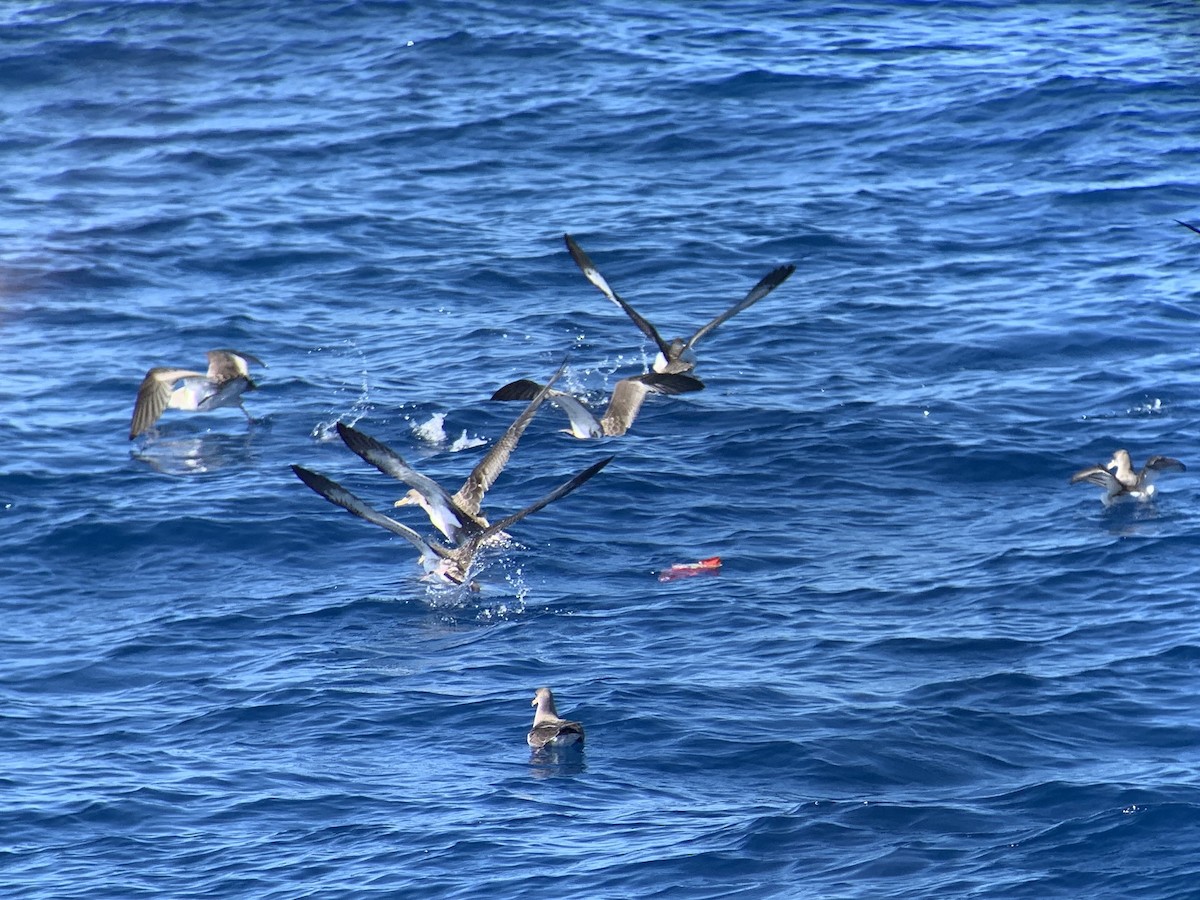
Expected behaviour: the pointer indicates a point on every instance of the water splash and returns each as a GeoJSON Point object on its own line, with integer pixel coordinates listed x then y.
{"type": "Point", "coordinates": [325, 429]}
{"type": "Point", "coordinates": [462, 442]}
{"type": "Point", "coordinates": [1150, 407]}
{"type": "Point", "coordinates": [432, 431]}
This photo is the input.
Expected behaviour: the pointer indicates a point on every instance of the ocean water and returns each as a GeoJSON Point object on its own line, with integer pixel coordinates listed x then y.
{"type": "Point", "coordinates": [929, 666]}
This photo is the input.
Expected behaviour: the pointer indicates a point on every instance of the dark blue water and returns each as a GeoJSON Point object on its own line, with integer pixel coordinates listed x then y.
{"type": "Point", "coordinates": [929, 666]}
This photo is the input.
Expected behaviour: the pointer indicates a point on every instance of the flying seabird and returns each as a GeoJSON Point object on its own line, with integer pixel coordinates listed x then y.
{"type": "Point", "coordinates": [447, 564]}
{"type": "Point", "coordinates": [228, 377]}
{"type": "Point", "coordinates": [676, 356]}
{"type": "Point", "coordinates": [627, 398]}
{"type": "Point", "coordinates": [1124, 482]}
{"type": "Point", "coordinates": [449, 514]}
{"type": "Point", "coordinates": [1186, 225]}
{"type": "Point", "coordinates": [548, 729]}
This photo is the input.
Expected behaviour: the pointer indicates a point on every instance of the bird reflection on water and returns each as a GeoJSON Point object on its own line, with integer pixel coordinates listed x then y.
{"type": "Point", "coordinates": [197, 454]}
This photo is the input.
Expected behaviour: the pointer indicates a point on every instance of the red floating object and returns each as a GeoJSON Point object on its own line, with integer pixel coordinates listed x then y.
{"type": "Point", "coordinates": [710, 566]}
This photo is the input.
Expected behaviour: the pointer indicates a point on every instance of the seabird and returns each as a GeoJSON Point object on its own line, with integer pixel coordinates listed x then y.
{"type": "Point", "coordinates": [627, 398]}
{"type": "Point", "coordinates": [1186, 225]}
{"type": "Point", "coordinates": [228, 377]}
{"type": "Point", "coordinates": [1124, 482]}
{"type": "Point", "coordinates": [447, 564]}
{"type": "Point", "coordinates": [548, 729]}
{"type": "Point", "coordinates": [449, 514]}
{"type": "Point", "coordinates": [676, 356]}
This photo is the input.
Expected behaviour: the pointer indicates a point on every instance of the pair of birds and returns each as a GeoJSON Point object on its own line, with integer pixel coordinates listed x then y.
{"type": "Point", "coordinates": [1121, 482]}
{"type": "Point", "coordinates": [459, 516]}
{"type": "Point", "coordinates": [1118, 479]}
{"type": "Point", "coordinates": [675, 361]}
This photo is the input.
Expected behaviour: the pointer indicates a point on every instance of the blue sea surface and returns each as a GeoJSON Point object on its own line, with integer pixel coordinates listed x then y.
{"type": "Point", "coordinates": [929, 666]}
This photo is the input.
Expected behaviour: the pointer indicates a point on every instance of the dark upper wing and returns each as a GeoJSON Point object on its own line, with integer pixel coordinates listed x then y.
{"type": "Point", "coordinates": [521, 389]}
{"type": "Point", "coordinates": [593, 275]}
{"type": "Point", "coordinates": [338, 495]}
{"type": "Point", "coordinates": [1186, 225]}
{"type": "Point", "coordinates": [541, 735]}
{"type": "Point", "coordinates": [1157, 465]}
{"type": "Point", "coordinates": [389, 462]}
{"type": "Point", "coordinates": [671, 382]}
{"type": "Point", "coordinates": [484, 475]}
{"type": "Point", "coordinates": [768, 283]}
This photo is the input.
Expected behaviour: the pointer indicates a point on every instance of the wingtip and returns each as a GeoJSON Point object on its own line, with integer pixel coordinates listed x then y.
{"type": "Point", "coordinates": [778, 275]}
{"type": "Point", "coordinates": [310, 478]}
{"type": "Point", "coordinates": [562, 367]}
{"type": "Point", "coordinates": [300, 472]}
{"type": "Point", "coordinates": [577, 253]}
{"type": "Point", "coordinates": [351, 436]}
{"type": "Point", "coordinates": [597, 466]}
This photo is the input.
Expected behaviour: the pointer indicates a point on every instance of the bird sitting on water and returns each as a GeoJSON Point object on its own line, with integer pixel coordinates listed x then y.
{"type": "Point", "coordinates": [227, 378]}
{"type": "Point", "coordinates": [450, 514]}
{"type": "Point", "coordinates": [1124, 482]}
{"type": "Point", "coordinates": [676, 356]}
{"type": "Point", "coordinates": [548, 729]}
{"type": "Point", "coordinates": [627, 398]}
{"type": "Point", "coordinates": [450, 565]}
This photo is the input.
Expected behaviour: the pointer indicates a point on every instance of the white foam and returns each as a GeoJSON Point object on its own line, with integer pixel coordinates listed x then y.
{"type": "Point", "coordinates": [1149, 408]}
{"type": "Point", "coordinates": [433, 431]}
{"type": "Point", "coordinates": [462, 442]}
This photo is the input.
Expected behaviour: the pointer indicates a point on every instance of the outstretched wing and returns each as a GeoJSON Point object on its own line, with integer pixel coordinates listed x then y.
{"type": "Point", "coordinates": [558, 493]}
{"type": "Point", "coordinates": [484, 475]}
{"type": "Point", "coordinates": [1186, 225]}
{"type": "Point", "coordinates": [1157, 465]}
{"type": "Point", "coordinates": [1097, 475]}
{"type": "Point", "coordinates": [768, 283]}
{"type": "Point", "coordinates": [593, 275]}
{"type": "Point", "coordinates": [389, 462]}
{"type": "Point", "coordinates": [153, 396]}
{"type": "Point", "coordinates": [340, 496]}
